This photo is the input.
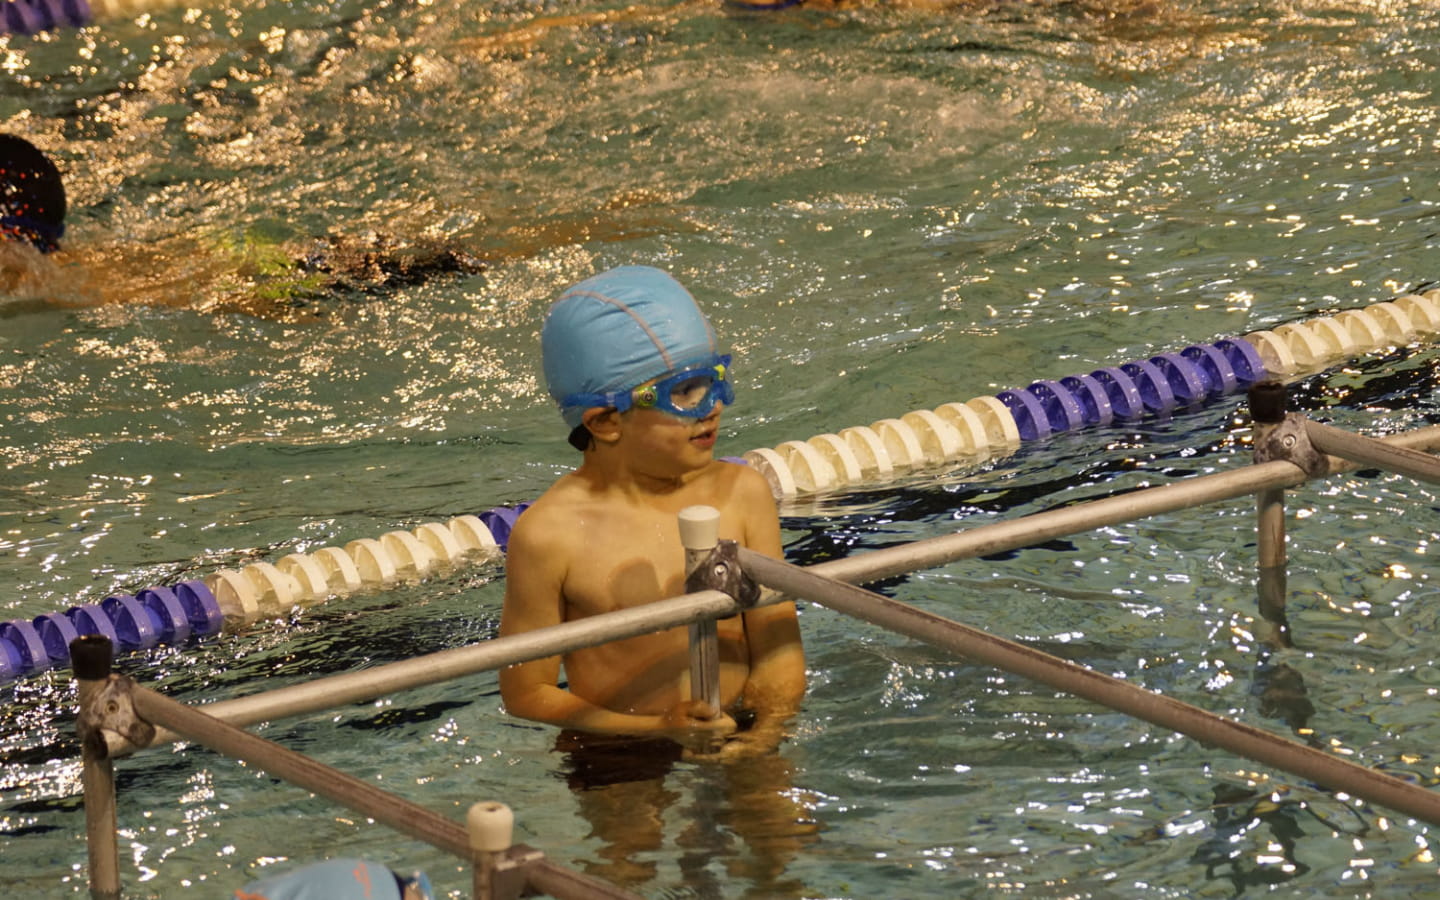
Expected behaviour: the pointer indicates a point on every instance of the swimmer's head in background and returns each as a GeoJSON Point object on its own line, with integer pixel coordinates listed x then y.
{"type": "Point", "coordinates": [615, 332]}
{"type": "Point", "coordinates": [32, 196]}
{"type": "Point", "coordinates": [339, 879]}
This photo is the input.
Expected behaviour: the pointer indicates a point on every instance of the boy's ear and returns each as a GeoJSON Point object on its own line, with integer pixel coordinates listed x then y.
{"type": "Point", "coordinates": [603, 423]}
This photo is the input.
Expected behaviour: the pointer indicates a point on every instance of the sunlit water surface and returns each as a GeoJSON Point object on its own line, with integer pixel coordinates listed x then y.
{"type": "Point", "coordinates": [886, 209]}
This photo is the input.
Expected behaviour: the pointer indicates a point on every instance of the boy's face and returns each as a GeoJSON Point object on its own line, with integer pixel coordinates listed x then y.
{"type": "Point", "coordinates": [667, 445]}
{"type": "Point", "coordinates": [672, 419]}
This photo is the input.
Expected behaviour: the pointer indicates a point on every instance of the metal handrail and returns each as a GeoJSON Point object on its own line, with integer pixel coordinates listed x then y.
{"type": "Point", "coordinates": [830, 584]}
{"type": "Point", "coordinates": [1115, 510]}
{"type": "Point", "coordinates": [433, 668]}
{"type": "Point", "coordinates": [1207, 727]}
{"type": "Point", "coordinates": [445, 665]}
{"type": "Point", "coordinates": [115, 702]}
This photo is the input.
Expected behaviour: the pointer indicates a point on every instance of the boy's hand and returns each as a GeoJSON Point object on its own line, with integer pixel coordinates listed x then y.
{"type": "Point", "coordinates": [761, 739]}
{"type": "Point", "coordinates": [697, 726]}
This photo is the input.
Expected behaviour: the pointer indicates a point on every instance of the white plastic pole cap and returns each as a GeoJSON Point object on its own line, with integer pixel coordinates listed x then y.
{"type": "Point", "coordinates": [699, 527]}
{"type": "Point", "coordinates": [490, 825]}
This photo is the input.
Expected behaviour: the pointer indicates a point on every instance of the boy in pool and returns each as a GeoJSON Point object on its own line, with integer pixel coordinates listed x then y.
{"type": "Point", "coordinates": [635, 368]}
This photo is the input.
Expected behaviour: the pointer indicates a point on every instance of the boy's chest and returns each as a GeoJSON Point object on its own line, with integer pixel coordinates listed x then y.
{"type": "Point", "coordinates": [625, 561]}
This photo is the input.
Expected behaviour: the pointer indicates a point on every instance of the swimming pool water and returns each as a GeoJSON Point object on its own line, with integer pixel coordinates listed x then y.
{"type": "Point", "coordinates": [311, 246]}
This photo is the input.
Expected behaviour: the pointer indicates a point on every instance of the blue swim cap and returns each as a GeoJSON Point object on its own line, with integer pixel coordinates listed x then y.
{"type": "Point", "coordinates": [335, 879]}
{"type": "Point", "coordinates": [618, 330]}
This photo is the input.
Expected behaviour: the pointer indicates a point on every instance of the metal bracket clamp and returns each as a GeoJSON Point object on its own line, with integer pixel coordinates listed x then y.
{"type": "Point", "coordinates": [510, 880]}
{"type": "Point", "coordinates": [721, 571]}
{"type": "Point", "coordinates": [111, 711]}
{"type": "Point", "coordinates": [1290, 441]}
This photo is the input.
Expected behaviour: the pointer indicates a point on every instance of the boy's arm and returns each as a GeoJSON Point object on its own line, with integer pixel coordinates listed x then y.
{"type": "Point", "coordinates": [776, 684]}
{"type": "Point", "coordinates": [534, 579]}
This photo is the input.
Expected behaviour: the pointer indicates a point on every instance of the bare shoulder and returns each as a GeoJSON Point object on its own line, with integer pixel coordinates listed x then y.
{"type": "Point", "coordinates": [745, 487]}
{"type": "Point", "coordinates": [748, 498]}
{"type": "Point", "coordinates": [752, 485]}
{"type": "Point", "coordinates": [543, 528]}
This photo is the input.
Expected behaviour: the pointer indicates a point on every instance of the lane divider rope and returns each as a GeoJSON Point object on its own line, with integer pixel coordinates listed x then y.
{"type": "Point", "coordinates": [992, 427]}
{"type": "Point", "coordinates": [968, 433]}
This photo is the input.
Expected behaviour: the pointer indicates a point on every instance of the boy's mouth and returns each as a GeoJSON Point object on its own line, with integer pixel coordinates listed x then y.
{"type": "Point", "coordinates": [705, 438]}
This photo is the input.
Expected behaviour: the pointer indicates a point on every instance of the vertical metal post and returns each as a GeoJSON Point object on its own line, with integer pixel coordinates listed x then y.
{"type": "Point", "coordinates": [1267, 408]}
{"type": "Point", "coordinates": [90, 656]}
{"type": "Point", "coordinates": [699, 534]}
{"type": "Point", "coordinates": [490, 826]}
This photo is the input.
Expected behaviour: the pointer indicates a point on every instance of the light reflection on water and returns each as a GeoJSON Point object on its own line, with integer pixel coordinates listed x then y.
{"type": "Point", "coordinates": [887, 209]}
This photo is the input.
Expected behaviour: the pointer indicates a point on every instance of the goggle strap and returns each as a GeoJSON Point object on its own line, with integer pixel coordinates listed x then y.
{"type": "Point", "coordinates": [619, 400]}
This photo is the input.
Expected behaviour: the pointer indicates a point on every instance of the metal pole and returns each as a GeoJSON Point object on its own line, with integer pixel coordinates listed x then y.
{"type": "Point", "coordinates": [1267, 407]}
{"type": "Point", "coordinates": [1040, 527]}
{"type": "Point", "coordinates": [1251, 743]}
{"type": "Point", "coordinates": [1361, 449]}
{"type": "Point", "coordinates": [354, 687]}
{"type": "Point", "coordinates": [700, 533]}
{"type": "Point", "coordinates": [551, 880]}
{"type": "Point", "coordinates": [298, 769]}
{"type": "Point", "coordinates": [435, 668]}
{"type": "Point", "coordinates": [90, 658]}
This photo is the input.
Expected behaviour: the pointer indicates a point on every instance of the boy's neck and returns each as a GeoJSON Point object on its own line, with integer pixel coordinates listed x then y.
{"type": "Point", "coordinates": [611, 471]}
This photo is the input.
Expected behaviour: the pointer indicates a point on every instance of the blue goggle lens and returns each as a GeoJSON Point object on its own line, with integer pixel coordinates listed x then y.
{"type": "Point", "coordinates": [691, 394]}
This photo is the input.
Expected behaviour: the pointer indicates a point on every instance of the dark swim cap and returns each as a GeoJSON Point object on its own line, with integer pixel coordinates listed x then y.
{"type": "Point", "coordinates": [32, 196]}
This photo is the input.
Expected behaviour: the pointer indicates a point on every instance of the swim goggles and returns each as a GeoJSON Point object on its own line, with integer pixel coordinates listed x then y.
{"type": "Point", "coordinates": [691, 394]}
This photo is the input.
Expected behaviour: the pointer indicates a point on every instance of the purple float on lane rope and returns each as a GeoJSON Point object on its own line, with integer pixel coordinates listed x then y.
{"type": "Point", "coordinates": [56, 631]}
{"type": "Point", "coordinates": [169, 613]}
{"type": "Point", "coordinates": [26, 639]}
{"type": "Point", "coordinates": [89, 618]}
{"type": "Point", "coordinates": [132, 622]}
{"type": "Point", "coordinates": [1214, 367]}
{"type": "Point", "coordinates": [1244, 359]}
{"type": "Point", "coordinates": [1154, 387]}
{"type": "Point", "coordinates": [1094, 401]}
{"type": "Point", "coordinates": [1029, 415]}
{"type": "Point", "coordinates": [1124, 394]}
{"type": "Point", "coordinates": [201, 606]}
{"type": "Point", "coordinates": [12, 665]}
{"type": "Point", "coordinates": [1185, 380]}
{"type": "Point", "coordinates": [1061, 407]}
